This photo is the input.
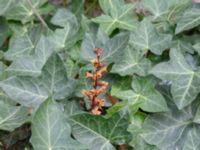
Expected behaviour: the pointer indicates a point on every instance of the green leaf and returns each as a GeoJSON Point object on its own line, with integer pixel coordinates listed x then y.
{"type": "Point", "coordinates": [63, 17]}
{"type": "Point", "coordinates": [72, 68]}
{"type": "Point", "coordinates": [32, 65]}
{"type": "Point", "coordinates": [93, 38]}
{"type": "Point", "coordinates": [188, 20]}
{"type": "Point", "coordinates": [3, 30]}
{"type": "Point", "coordinates": [144, 94]}
{"type": "Point", "coordinates": [108, 5]}
{"type": "Point", "coordinates": [135, 128]}
{"type": "Point", "coordinates": [31, 91]}
{"type": "Point", "coordinates": [98, 132]}
{"type": "Point", "coordinates": [50, 130]}
{"type": "Point", "coordinates": [197, 47]}
{"type": "Point", "coordinates": [185, 79]}
{"type": "Point", "coordinates": [120, 84]}
{"type": "Point", "coordinates": [65, 38]}
{"type": "Point", "coordinates": [119, 18]}
{"type": "Point", "coordinates": [113, 49]}
{"type": "Point", "coordinates": [165, 10]}
{"type": "Point", "coordinates": [21, 10]}
{"type": "Point", "coordinates": [5, 5]}
{"type": "Point", "coordinates": [132, 61]}
{"type": "Point", "coordinates": [146, 37]}
{"type": "Point", "coordinates": [23, 45]}
{"type": "Point", "coordinates": [11, 116]}
{"type": "Point", "coordinates": [197, 116]}
{"type": "Point", "coordinates": [173, 129]}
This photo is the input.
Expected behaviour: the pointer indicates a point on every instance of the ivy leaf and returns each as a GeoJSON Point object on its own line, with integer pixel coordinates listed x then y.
{"type": "Point", "coordinates": [144, 94]}
{"type": "Point", "coordinates": [188, 20]}
{"type": "Point", "coordinates": [93, 38]}
{"type": "Point", "coordinates": [146, 37]}
{"type": "Point", "coordinates": [23, 11]}
{"type": "Point", "coordinates": [69, 34]}
{"type": "Point", "coordinates": [50, 130]}
{"type": "Point", "coordinates": [3, 30]}
{"type": "Point", "coordinates": [185, 79]}
{"type": "Point", "coordinates": [23, 45]}
{"type": "Point", "coordinates": [27, 91]}
{"type": "Point", "coordinates": [135, 128]}
{"type": "Point", "coordinates": [32, 65]}
{"type": "Point", "coordinates": [197, 47]}
{"type": "Point", "coordinates": [118, 18]}
{"type": "Point", "coordinates": [72, 68]}
{"type": "Point", "coordinates": [120, 84]}
{"type": "Point", "coordinates": [31, 91]}
{"type": "Point", "coordinates": [63, 17]}
{"type": "Point", "coordinates": [165, 10]}
{"type": "Point", "coordinates": [108, 5]}
{"type": "Point", "coordinates": [113, 49]}
{"type": "Point", "coordinates": [174, 127]}
{"type": "Point", "coordinates": [11, 116]}
{"type": "Point", "coordinates": [132, 61]}
{"type": "Point", "coordinates": [197, 116]}
{"type": "Point", "coordinates": [93, 130]}
{"type": "Point", "coordinates": [5, 5]}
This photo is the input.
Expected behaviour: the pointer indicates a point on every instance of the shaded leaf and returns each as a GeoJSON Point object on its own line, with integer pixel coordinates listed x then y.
{"type": "Point", "coordinates": [174, 127]}
{"type": "Point", "coordinates": [185, 79]}
{"type": "Point", "coordinates": [11, 116]}
{"type": "Point", "coordinates": [146, 37]}
{"type": "Point", "coordinates": [132, 61]}
{"type": "Point", "coordinates": [119, 18]}
{"type": "Point", "coordinates": [31, 91]}
{"type": "Point", "coordinates": [189, 19]}
{"type": "Point", "coordinates": [50, 129]}
{"type": "Point", "coordinates": [96, 131]}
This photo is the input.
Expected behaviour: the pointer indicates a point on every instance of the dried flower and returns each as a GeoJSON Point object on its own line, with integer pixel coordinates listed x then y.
{"type": "Point", "coordinates": [98, 86]}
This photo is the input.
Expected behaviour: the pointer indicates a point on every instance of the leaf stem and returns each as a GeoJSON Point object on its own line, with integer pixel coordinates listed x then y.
{"type": "Point", "coordinates": [37, 14]}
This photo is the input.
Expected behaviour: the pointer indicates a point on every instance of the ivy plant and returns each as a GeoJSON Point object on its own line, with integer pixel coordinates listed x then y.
{"type": "Point", "coordinates": [99, 75]}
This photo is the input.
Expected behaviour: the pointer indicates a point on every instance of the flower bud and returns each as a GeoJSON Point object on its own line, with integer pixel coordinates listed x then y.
{"type": "Point", "coordinates": [102, 83]}
{"type": "Point", "coordinates": [88, 75]}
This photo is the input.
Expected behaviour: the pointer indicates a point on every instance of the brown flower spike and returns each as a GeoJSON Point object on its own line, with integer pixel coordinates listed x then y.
{"type": "Point", "coordinates": [97, 86]}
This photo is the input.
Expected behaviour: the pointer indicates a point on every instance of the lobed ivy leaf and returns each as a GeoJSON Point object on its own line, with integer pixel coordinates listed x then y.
{"type": "Point", "coordinates": [144, 95]}
{"type": "Point", "coordinates": [146, 37]}
{"type": "Point", "coordinates": [22, 11]}
{"type": "Point", "coordinates": [3, 30]}
{"type": "Point", "coordinates": [165, 10]}
{"type": "Point", "coordinates": [50, 129]}
{"type": "Point", "coordinates": [132, 61]}
{"type": "Point", "coordinates": [69, 34]}
{"type": "Point", "coordinates": [188, 20]}
{"type": "Point", "coordinates": [135, 128]}
{"type": "Point", "coordinates": [185, 79]}
{"type": "Point", "coordinates": [108, 5]}
{"type": "Point", "coordinates": [174, 127]}
{"type": "Point", "coordinates": [63, 17]}
{"type": "Point", "coordinates": [11, 116]}
{"type": "Point", "coordinates": [93, 38]}
{"type": "Point", "coordinates": [197, 48]}
{"type": "Point", "coordinates": [96, 131]}
{"type": "Point", "coordinates": [23, 45]}
{"type": "Point", "coordinates": [32, 65]}
{"type": "Point", "coordinates": [119, 17]}
{"type": "Point", "coordinates": [30, 91]}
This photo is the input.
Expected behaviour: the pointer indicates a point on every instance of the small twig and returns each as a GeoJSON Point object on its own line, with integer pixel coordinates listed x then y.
{"type": "Point", "coordinates": [65, 3]}
{"type": "Point", "coordinates": [113, 100]}
{"type": "Point", "coordinates": [37, 14]}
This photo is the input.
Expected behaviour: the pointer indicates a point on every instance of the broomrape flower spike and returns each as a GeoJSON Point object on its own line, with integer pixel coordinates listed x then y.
{"type": "Point", "coordinates": [98, 86]}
